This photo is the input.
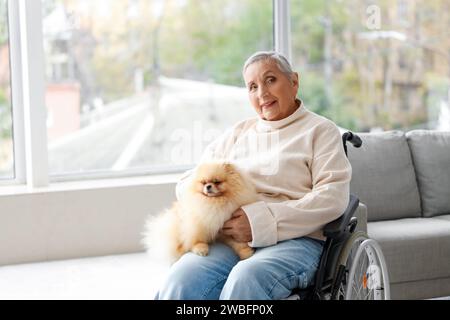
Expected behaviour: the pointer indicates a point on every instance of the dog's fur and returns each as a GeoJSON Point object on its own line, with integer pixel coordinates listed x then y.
{"type": "Point", "coordinates": [216, 190]}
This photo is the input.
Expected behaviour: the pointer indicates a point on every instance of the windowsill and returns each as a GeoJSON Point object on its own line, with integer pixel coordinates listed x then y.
{"type": "Point", "coordinates": [91, 184]}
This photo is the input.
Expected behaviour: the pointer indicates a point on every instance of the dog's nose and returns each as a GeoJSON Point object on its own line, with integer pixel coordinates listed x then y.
{"type": "Point", "coordinates": [208, 187]}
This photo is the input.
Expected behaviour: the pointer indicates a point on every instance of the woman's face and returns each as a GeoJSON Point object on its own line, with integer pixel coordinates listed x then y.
{"type": "Point", "coordinates": [270, 91]}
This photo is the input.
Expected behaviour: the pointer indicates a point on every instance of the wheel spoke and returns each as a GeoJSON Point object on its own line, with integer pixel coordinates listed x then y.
{"type": "Point", "coordinates": [359, 275]}
{"type": "Point", "coordinates": [366, 271]}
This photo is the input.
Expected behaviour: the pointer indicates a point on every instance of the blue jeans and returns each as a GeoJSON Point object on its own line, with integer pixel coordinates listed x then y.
{"type": "Point", "coordinates": [271, 273]}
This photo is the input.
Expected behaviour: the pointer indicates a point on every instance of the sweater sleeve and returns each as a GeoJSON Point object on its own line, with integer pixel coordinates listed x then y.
{"type": "Point", "coordinates": [330, 175]}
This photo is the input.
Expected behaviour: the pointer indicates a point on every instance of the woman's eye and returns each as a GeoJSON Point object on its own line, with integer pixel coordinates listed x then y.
{"type": "Point", "coordinates": [252, 87]}
{"type": "Point", "coordinates": [270, 80]}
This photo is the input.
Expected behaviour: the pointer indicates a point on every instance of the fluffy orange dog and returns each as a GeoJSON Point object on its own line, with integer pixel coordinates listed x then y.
{"type": "Point", "coordinates": [212, 195]}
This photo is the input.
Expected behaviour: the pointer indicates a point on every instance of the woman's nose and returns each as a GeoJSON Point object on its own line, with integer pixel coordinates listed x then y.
{"type": "Point", "coordinates": [263, 91]}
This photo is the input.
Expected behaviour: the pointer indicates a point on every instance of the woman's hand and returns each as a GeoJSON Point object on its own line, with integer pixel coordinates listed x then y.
{"type": "Point", "coordinates": [238, 227]}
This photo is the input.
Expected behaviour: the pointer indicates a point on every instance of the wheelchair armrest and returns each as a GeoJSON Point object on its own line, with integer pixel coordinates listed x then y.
{"type": "Point", "coordinates": [335, 228]}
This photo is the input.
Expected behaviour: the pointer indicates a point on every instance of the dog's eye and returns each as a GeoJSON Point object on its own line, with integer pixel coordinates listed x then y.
{"type": "Point", "coordinates": [215, 181]}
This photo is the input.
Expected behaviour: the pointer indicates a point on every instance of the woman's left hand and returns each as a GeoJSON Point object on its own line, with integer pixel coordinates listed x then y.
{"type": "Point", "coordinates": [238, 227]}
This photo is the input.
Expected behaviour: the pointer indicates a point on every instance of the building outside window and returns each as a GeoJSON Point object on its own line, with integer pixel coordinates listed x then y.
{"type": "Point", "coordinates": [145, 85]}
{"type": "Point", "coordinates": [367, 69]}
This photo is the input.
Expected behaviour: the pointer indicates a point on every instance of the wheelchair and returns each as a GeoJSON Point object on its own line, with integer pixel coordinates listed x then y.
{"type": "Point", "coordinates": [352, 266]}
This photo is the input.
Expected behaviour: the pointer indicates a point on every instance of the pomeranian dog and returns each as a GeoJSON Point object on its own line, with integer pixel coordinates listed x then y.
{"type": "Point", "coordinates": [216, 190]}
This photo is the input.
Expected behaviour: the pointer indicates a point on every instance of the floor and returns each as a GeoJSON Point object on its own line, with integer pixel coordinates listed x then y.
{"type": "Point", "coordinates": [122, 277]}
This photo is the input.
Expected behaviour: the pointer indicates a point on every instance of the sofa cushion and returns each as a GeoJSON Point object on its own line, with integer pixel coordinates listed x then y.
{"type": "Point", "coordinates": [431, 157]}
{"type": "Point", "coordinates": [383, 176]}
{"type": "Point", "coordinates": [425, 289]}
{"type": "Point", "coordinates": [414, 249]}
{"type": "Point", "coordinates": [444, 217]}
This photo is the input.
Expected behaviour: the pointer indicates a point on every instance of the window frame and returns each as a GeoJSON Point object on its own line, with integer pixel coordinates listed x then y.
{"type": "Point", "coordinates": [28, 96]}
{"type": "Point", "coordinates": [282, 27]}
{"type": "Point", "coordinates": [27, 82]}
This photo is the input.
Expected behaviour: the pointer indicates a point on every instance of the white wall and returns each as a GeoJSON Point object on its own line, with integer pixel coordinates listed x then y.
{"type": "Point", "coordinates": [64, 224]}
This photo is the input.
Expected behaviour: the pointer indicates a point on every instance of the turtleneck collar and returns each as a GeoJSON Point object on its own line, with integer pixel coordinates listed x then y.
{"type": "Point", "coordinates": [266, 125]}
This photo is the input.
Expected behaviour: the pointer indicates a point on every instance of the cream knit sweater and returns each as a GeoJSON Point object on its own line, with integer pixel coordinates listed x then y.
{"type": "Point", "coordinates": [299, 168]}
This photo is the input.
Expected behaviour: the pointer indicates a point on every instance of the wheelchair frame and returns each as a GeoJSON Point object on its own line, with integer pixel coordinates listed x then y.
{"type": "Point", "coordinates": [340, 236]}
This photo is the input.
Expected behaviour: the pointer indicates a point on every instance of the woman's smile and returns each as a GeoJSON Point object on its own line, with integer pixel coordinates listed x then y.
{"type": "Point", "coordinates": [270, 110]}
{"type": "Point", "coordinates": [268, 104]}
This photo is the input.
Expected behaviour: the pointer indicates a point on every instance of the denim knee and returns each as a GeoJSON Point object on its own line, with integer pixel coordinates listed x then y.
{"type": "Point", "coordinates": [176, 285]}
{"type": "Point", "coordinates": [246, 281]}
{"type": "Point", "coordinates": [198, 278]}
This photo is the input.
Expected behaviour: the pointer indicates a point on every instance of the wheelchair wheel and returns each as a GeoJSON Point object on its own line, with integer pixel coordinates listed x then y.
{"type": "Point", "coordinates": [362, 272]}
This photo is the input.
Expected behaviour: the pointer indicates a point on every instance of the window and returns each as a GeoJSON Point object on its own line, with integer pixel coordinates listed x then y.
{"type": "Point", "coordinates": [367, 70]}
{"type": "Point", "coordinates": [145, 85]}
{"type": "Point", "coordinates": [136, 87]}
{"type": "Point", "coordinates": [6, 141]}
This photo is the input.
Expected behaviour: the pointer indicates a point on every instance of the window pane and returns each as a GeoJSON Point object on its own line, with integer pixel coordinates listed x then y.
{"type": "Point", "coordinates": [375, 65]}
{"type": "Point", "coordinates": [145, 84]}
{"type": "Point", "coordinates": [6, 143]}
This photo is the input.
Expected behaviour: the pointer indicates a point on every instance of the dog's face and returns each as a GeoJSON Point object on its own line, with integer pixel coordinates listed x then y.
{"type": "Point", "coordinates": [217, 180]}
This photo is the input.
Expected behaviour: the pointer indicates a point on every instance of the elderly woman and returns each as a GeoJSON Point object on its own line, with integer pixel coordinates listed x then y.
{"type": "Point", "coordinates": [298, 165]}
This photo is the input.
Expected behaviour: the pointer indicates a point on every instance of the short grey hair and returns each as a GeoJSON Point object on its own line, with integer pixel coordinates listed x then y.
{"type": "Point", "coordinates": [278, 58]}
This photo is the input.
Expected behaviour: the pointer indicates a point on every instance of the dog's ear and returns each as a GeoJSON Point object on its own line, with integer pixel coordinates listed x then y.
{"type": "Point", "coordinates": [229, 168]}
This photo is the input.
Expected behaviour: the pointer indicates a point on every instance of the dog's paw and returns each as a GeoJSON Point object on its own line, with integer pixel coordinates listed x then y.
{"type": "Point", "coordinates": [245, 253]}
{"type": "Point", "coordinates": [201, 249]}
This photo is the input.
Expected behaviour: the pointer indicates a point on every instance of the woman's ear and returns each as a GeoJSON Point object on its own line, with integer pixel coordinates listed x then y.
{"type": "Point", "coordinates": [295, 82]}
{"type": "Point", "coordinates": [295, 79]}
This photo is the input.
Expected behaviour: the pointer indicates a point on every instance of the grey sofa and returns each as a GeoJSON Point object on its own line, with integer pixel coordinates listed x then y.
{"type": "Point", "coordinates": [404, 181]}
